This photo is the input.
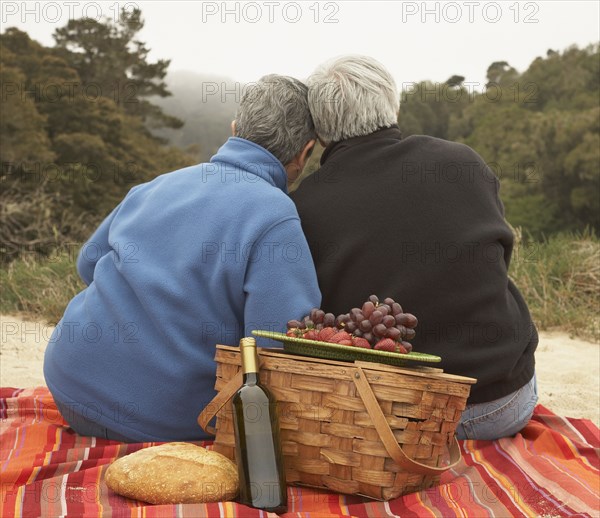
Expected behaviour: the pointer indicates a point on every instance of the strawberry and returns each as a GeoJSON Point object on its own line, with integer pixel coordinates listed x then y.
{"type": "Point", "coordinates": [295, 332]}
{"type": "Point", "coordinates": [326, 333]}
{"type": "Point", "coordinates": [386, 344]}
{"type": "Point", "coordinates": [340, 335]}
{"type": "Point", "coordinates": [361, 342]}
{"type": "Point", "coordinates": [311, 334]}
{"type": "Point", "coordinates": [345, 342]}
{"type": "Point", "coordinates": [402, 349]}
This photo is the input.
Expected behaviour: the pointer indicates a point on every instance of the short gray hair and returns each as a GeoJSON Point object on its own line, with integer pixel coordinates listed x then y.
{"type": "Point", "coordinates": [351, 96]}
{"type": "Point", "coordinates": [274, 114]}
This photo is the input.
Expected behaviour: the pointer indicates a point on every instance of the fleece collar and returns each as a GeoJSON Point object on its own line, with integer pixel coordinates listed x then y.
{"type": "Point", "coordinates": [253, 159]}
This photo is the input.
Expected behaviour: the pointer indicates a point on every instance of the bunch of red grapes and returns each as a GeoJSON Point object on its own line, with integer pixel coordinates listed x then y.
{"type": "Point", "coordinates": [376, 325]}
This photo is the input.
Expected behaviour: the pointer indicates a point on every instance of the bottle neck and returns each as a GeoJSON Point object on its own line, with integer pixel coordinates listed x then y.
{"type": "Point", "coordinates": [251, 378]}
{"type": "Point", "coordinates": [249, 360]}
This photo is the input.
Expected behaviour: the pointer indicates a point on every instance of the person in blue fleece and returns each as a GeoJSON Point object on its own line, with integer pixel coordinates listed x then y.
{"type": "Point", "coordinates": [193, 258]}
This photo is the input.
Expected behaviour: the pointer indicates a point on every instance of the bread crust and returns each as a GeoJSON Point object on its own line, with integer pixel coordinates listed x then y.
{"type": "Point", "coordinates": [172, 473]}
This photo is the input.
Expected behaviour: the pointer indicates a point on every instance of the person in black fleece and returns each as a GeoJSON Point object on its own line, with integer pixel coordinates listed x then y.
{"type": "Point", "coordinates": [418, 219]}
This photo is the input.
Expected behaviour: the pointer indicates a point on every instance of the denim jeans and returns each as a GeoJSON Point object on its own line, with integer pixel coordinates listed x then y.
{"type": "Point", "coordinates": [87, 426]}
{"type": "Point", "coordinates": [499, 418]}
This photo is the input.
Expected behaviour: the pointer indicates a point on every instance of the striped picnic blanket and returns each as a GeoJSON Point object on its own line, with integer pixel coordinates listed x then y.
{"type": "Point", "coordinates": [550, 469]}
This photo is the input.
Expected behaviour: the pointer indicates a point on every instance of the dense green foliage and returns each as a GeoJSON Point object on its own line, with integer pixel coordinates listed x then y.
{"type": "Point", "coordinates": [539, 131]}
{"type": "Point", "coordinates": [75, 130]}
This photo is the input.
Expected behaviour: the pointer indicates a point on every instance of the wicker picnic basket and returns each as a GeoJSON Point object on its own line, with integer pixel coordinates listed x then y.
{"type": "Point", "coordinates": [358, 428]}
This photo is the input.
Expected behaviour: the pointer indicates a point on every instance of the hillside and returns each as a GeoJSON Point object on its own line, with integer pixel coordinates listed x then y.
{"type": "Point", "coordinates": [206, 104]}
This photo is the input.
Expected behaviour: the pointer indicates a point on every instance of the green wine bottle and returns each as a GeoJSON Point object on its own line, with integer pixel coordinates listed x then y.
{"type": "Point", "coordinates": [257, 443]}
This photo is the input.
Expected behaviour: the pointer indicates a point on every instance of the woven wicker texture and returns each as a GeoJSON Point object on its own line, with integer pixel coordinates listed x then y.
{"type": "Point", "coordinates": [328, 436]}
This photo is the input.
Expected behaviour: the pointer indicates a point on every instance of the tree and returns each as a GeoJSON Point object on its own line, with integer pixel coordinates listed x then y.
{"type": "Point", "coordinates": [501, 73]}
{"type": "Point", "coordinates": [455, 80]}
{"type": "Point", "coordinates": [68, 155]}
{"type": "Point", "coordinates": [428, 108]}
{"type": "Point", "coordinates": [570, 80]}
{"type": "Point", "coordinates": [540, 131]}
{"type": "Point", "coordinates": [23, 130]}
{"type": "Point", "coordinates": [110, 60]}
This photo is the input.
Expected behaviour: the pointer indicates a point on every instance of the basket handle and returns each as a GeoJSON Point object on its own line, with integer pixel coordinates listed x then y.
{"type": "Point", "coordinates": [387, 437]}
{"type": "Point", "coordinates": [222, 397]}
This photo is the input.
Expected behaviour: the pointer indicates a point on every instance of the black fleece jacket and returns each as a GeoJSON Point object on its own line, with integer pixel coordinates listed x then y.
{"type": "Point", "coordinates": [420, 220]}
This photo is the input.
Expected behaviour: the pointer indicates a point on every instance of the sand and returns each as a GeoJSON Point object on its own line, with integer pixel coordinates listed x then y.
{"type": "Point", "coordinates": [568, 369]}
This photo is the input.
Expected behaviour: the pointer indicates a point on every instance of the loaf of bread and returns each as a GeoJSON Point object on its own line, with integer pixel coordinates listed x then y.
{"type": "Point", "coordinates": [172, 473]}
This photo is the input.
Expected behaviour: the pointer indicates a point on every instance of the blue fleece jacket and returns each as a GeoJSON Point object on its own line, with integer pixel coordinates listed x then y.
{"type": "Point", "coordinates": [194, 258]}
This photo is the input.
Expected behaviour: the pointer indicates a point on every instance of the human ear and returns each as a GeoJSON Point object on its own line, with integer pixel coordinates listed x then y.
{"type": "Point", "coordinates": [304, 155]}
{"type": "Point", "coordinates": [296, 165]}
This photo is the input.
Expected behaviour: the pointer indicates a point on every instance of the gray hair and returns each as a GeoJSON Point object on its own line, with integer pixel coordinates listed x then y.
{"type": "Point", "coordinates": [274, 114]}
{"type": "Point", "coordinates": [351, 96]}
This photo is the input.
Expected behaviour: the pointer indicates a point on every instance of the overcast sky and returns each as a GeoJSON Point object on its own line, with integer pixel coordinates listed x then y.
{"type": "Point", "coordinates": [415, 40]}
